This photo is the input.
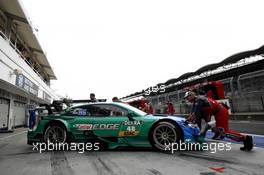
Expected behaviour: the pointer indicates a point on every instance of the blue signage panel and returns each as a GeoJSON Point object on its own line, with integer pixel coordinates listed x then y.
{"type": "Point", "coordinates": [46, 97]}
{"type": "Point", "coordinates": [26, 84]}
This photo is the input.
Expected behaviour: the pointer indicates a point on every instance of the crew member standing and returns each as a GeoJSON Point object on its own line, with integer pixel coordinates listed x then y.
{"type": "Point", "coordinates": [148, 108]}
{"type": "Point", "coordinates": [170, 109]}
{"type": "Point", "coordinates": [115, 99]}
{"type": "Point", "coordinates": [32, 118]}
{"type": "Point", "coordinates": [92, 97]}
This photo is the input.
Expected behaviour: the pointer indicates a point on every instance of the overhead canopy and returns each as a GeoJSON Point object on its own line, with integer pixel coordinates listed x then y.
{"type": "Point", "coordinates": [207, 67]}
{"type": "Point", "coordinates": [186, 75]}
{"type": "Point", "coordinates": [230, 60]}
{"type": "Point", "coordinates": [236, 57]}
{"type": "Point", "coordinates": [14, 9]}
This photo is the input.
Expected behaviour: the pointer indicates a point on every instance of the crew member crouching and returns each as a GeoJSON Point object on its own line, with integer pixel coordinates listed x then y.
{"type": "Point", "coordinates": [205, 108]}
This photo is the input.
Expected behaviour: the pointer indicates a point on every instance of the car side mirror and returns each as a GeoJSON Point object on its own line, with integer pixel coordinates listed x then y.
{"type": "Point", "coordinates": [130, 116]}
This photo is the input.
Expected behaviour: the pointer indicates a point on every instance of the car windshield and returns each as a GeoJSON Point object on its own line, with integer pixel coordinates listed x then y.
{"type": "Point", "coordinates": [136, 110]}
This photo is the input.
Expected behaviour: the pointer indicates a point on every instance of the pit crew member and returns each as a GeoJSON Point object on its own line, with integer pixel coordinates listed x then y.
{"type": "Point", "coordinates": [204, 108]}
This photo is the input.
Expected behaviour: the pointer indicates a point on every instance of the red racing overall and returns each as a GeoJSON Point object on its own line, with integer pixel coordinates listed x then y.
{"type": "Point", "coordinates": [221, 118]}
{"type": "Point", "coordinates": [204, 108]}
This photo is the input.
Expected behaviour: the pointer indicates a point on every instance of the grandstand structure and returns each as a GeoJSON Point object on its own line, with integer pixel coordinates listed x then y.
{"type": "Point", "coordinates": [241, 74]}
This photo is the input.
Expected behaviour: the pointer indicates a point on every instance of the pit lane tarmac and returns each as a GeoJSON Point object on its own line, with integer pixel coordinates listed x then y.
{"type": "Point", "coordinates": [16, 157]}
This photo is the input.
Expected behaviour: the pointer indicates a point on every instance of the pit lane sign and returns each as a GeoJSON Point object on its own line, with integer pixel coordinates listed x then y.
{"type": "Point", "coordinates": [46, 97]}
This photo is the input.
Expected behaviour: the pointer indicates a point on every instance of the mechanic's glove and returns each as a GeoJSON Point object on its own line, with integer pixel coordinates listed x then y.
{"type": "Point", "coordinates": [204, 130]}
{"type": "Point", "coordinates": [200, 139]}
{"type": "Point", "coordinates": [191, 118]}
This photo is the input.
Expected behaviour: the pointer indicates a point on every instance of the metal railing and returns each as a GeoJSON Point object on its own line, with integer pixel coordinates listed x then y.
{"type": "Point", "coordinates": [39, 83]}
{"type": "Point", "coordinates": [22, 56]}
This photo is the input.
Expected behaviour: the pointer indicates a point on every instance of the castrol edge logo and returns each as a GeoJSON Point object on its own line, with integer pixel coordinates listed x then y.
{"type": "Point", "coordinates": [97, 126]}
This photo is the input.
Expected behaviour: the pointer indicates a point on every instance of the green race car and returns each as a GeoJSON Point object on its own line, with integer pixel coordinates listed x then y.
{"type": "Point", "coordinates": [112, 125]}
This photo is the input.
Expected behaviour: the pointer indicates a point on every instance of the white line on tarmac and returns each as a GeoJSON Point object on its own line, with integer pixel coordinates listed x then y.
{"type": "Point", "coordinates": [255, 135]}
{"type": "Point", "coordinates": [225, 141]}
{"type": "Point", "coordinates": [247, 122]}
{"type": "Point", "coordinates": [3, 138]}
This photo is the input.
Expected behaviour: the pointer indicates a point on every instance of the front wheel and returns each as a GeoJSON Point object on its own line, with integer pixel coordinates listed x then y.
{"type": "Point", "coordinates": [163, 135]}
{"type": "Point", "coordinates": [55, 134]}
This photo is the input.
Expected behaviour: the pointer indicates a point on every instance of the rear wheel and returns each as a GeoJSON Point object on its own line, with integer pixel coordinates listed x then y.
{"type": "Point", "coordinates": [163, 135]}
{"type": "Point", "coordinates": [55, 134]}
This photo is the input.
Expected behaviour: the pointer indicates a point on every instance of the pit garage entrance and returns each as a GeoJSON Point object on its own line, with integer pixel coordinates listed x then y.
{"type": "Point", "coordinates": [4, 111]}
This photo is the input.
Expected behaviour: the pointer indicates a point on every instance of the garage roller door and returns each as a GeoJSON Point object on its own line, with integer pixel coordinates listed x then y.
{"type": "Point", "coordinates": [19, 114]}
{"type": "Point", "coordinates": [4, 108]}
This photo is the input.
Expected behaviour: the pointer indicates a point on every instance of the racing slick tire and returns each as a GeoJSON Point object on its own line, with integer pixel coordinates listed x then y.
{"type": "Point", "coordinates": [163, 135]}
{"type": "Point", "coordinates": [55, 133]}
